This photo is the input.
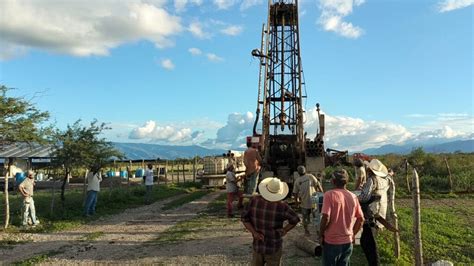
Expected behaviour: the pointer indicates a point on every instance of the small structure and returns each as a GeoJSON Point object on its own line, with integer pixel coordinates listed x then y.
{"type": "Point", "coordinates": [25, 156]}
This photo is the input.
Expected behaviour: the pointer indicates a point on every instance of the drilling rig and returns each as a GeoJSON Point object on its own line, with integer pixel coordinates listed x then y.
{"type": "Point", "coordinates": [279, 123]}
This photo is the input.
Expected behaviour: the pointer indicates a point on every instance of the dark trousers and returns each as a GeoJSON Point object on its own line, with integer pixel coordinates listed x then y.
{"type": "Point", "coordinates": [337, 255]}
{"type": "Point", "coordinates": [369, 246]}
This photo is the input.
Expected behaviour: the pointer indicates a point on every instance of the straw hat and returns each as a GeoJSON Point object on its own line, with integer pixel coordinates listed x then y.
{"type": "Point", "coordinates": [272, 189]}
{"type": "Point", "coordinates": [377, 167]}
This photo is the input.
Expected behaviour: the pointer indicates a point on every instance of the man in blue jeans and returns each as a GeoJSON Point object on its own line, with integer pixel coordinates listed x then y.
{"type": "Point", "coordinates": [342, 219]}
{"type": "Point", "coordinates": [94, 178]}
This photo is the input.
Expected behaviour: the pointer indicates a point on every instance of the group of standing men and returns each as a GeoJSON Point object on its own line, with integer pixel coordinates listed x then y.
{"type": "Point", "coordinates": [343, 213]}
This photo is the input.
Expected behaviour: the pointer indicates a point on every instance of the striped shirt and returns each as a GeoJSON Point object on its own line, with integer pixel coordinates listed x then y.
{"type": "Point", "coordinates": [267, 217]}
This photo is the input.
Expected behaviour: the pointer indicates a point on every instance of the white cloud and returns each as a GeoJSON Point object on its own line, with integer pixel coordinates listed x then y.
{"type": "Point", "coordinates": [232, 30]}
{"type": "Point", "coordinates": [250, 3]}
{"type": "Point", "coordinates": [355, 134]}
{"type": "Point", "coordinates": [196, 29]}
{"type": "Point", "coordinates": [167, 64]}
{"type": "Point", "coordinates": [83, 28]}
{"type": "Point", "coordinates": [333, 13]}
{"type": "Point", "coordinates": [450, 5]}
{"type": "Point", "coordinates": [342, 132]}
{"type": "Point", "coordinates": [224, 4]}
{"type": "Point", "coordinates": [153, 132]}
{"type": "Point", "coordinates": [180, 5]}
{"type": "Point", "coordinates": [195, 51]}
{"type": "Point", "coordinates": [214, 58]}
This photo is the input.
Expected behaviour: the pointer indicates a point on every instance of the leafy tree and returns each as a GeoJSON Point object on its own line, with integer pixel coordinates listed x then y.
{"type": "Point", "coordinates": [20, 122]}
{"type": "Point", "coordinates": [81, 146]}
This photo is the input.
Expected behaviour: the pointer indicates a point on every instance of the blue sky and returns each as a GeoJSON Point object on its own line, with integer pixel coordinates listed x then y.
{"type": "Point", "coordinates": [180, 72]}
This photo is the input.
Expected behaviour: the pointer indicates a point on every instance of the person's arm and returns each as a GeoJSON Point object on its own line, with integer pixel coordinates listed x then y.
{"type": "Point", "coordinates": [357, 225]}
{"type": "Point", "coordinates": [22, 190]}
{"type": "Point", "coordinates": [286, 229]}
{"type": "Point", "coordinates": [323, 226]}
{"type": "Point", "coordinates": [296, 190]}
{"type": "Point", "coordinates": [293, 220]}
{"type": "Point", "coordinates": [366, 191]}
{"type": "Point", "coordinates": [256, 235]}
{"type": "Point", "coordinates": [99, 176]}
{"type": "Point", "coordinates": [317, 185]}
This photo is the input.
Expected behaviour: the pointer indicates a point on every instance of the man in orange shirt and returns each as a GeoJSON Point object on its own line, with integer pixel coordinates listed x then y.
{"type": "Point", "coordinates": [252, 161]}
{"type": "Point", "coordinates": [342, 219]}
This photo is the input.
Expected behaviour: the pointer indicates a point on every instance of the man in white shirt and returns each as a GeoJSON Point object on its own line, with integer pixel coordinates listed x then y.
{"type": "Point", "coordinates": [232, 190]}
{"type": "Point", "coordinates": [148, 183]}
{"type": "Point", "coordinates": [94, 177]}
{"type": "Point", "coordinates": [304, 188]}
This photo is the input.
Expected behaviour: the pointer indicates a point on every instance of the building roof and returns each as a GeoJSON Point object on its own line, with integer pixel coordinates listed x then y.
{"type": "Point", "coordinates": [24, 150]}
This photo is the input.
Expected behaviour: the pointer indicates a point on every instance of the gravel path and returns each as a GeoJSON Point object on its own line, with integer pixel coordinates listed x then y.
{"type": "Point", "coordinates": [116, 237]}
{"type": "Point", "coordinates": [130, 238]}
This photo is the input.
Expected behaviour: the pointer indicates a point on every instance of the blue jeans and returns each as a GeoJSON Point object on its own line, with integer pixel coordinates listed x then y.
{"type": "Point", "coordinates": [91, 201]}
{"type": "Point", "coordinates": [29, 211]}
{"type": "Point", "coordinates": [250, 184]}
{"type": "Point", "coordinates": [148, 193]}
{"type": "Point", "coordinates": [337, 254]}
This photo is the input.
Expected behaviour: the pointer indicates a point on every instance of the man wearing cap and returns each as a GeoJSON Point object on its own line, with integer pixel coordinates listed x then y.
{"type": "Point", "coordinates": [374, 194]}
{"type": "Point", "coordinates": [341, 221]}
{"type": "Point", "coordinates": [252, 162]}
{"type": "Point", "coordinates": [26, 189]}
{"type": "Point", "coordinates": [264, 218]}
{"type": "Point", "coordinates": [304, 188]}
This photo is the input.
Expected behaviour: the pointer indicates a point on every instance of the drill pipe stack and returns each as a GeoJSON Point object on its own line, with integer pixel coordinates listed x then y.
{"type": "Point", "coordinates": [315, 148]}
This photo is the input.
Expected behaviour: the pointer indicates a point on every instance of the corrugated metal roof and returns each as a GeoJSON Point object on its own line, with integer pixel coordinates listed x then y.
{"type": "Point", "coordinates": [23, 150]}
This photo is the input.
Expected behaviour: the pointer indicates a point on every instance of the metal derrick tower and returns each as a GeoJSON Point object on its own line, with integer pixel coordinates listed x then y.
{"type": "Point", "coordinates": [280, 93]}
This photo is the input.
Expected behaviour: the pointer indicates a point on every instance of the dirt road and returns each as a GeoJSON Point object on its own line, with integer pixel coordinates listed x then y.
{"type": "Point", "coordinates": [133, 237]}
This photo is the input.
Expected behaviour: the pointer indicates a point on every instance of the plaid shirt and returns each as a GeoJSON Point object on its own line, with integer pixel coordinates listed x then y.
{"type": "Point", "coordinates": [267, 217]}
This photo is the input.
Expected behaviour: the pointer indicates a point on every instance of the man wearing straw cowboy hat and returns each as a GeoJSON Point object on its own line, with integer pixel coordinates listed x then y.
{"type": "Point", "coordinates": [374, 193]}
{"type": "Point", "coordinates": [264, 218]}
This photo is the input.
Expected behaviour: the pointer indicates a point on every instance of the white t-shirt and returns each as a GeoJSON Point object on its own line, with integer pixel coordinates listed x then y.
{"type": "Point", "coordinates": [93, 181]}
{"type": "Point", "coordinates": [231, 185]}
{"type": "Point", "coordinates": [149, 177]}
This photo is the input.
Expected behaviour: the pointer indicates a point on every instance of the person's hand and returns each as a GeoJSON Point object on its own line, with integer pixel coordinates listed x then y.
{"type": "Point", "coordinates": [257, 236]}
{"type": "Point", "coordinates": [394, 215]}
{"type": "Point", "coordinates": [282, 232]}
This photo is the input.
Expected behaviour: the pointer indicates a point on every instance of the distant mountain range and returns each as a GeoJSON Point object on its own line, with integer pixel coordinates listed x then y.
{"type": "Point", "coordinates": [137, 151]}
{"type": "Point", "coordinates": [447, 147]}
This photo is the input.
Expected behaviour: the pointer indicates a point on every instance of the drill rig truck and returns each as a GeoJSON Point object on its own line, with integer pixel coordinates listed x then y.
{"type": "Point", "coordinates": [280, 114]}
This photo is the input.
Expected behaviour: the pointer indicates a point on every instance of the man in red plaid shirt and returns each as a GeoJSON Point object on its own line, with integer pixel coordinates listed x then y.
{"type": "Point", "coordinates": [264, 218]}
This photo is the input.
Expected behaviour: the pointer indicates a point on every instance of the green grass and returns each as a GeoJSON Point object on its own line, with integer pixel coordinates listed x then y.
{"type": "Point", "coordinates": [70, 215]}
{"type": "Point", "coordinates": [92, 236]}
{"type": "Point", "coordinates": [446, 234]}
{"type": "Point", "coordinates": [183, 200]}
{"type": "Point", "coordinates": [213, 217]}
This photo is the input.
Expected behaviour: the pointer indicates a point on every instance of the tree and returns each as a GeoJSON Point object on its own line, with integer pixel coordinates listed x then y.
{"type": "Point", "coordinates": [80, 146]}
{"type": "Point", "coordinates": [20, 122]}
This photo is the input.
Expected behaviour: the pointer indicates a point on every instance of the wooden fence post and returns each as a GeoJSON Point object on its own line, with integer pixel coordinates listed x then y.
{"type": "Point", "coordinates": [166, 172]}
{"type": "Point", "coordinates": [172, 172]}
{"type": "Point", "coordinates": [184, 173]}
{"type": "Point", "coordinates": [449, 175]}
{"type": "Point", "coordinates": [417, 220]}
{"type": "Point", "coordinates": [194, 170]}
{"type": "Point", "coordinates": [406, 175]}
